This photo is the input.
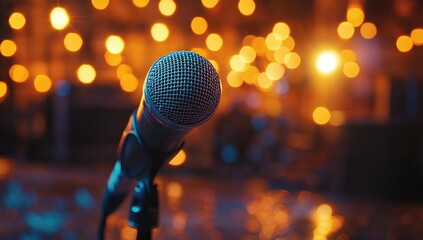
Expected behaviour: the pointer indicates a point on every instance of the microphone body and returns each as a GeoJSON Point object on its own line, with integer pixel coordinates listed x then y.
{"type": "Point", "coordinates": [181, 91]}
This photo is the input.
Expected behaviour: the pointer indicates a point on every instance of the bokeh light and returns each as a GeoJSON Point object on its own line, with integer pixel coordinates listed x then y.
{"type": "Point", "coordinates": [289, 43]}
{"type": "Point", "coordinates": [281, 30]}
{"type": "Point", "coordinates": [140, 3]}
{"type": "Point", "coordinates": [3, 89]}
{"type": "Point", "coordinates": [234, 79]}
{"type": "Point", "coordinates": [321, 115]}
{"type": "Point", "coordinates": [209, 3]}
{"type": "Point", "coordinates": [122, 70]}
{"type": "Point", "coordinates": [59, 18]}
{"type": "Point", "coordinates": [404, 43]}
{"type": "Point", "coordinates": [199, 25]}
{"type": "Point", "coordinates": [159, 32]}
{"type": "Point", "coordinates": [368, 30]}
{"type": "Point", "coordinates": [42, 83]}
{"type": "Point", "coordinates": [347, 55]}
{"type": "Point", "coordinates": [292, 60]}
{"type": "Point", "coordinates": [18, 73]}
{"type": "Point", "coordinates": [279, 55]}
{"type": "Point", "coordinates": [86, 73]}
{"type": "Point", "coordinates": [178, 160]}
{"type": "Point", "coordinates": [417, 36]}
{"type": "Point", "coordinates": [345, 30]}
{"type": "Point", "coordinates": [327, 62]}
{"type": "Point", "coordinates": [167, 7]}
{"type": "Point", "coordinates": [272, 42]}
{"type": "Point", "coordinates": [247, 54]}
{"type": "Point", "coordinates": [115, 44]}
{"type": "Point", "coordinates": [237, 63]}
{"type": "Point", "coordinates": [263, 82]}
{"type": "Point", "coordinates": [128, 83]}
{"type": "Point", "coordinates": [259, 44]}
{"type": "Point", "coordinates": [113, 59]}
{"type": "Point", "coordinates": [100, 4]}
{"type": "Point", "coordinates": [355, 16]}
{"type": "Point", "coordinates": [246, 7]}
{"type": "Point", "coordinates": [73, 42]}
{"type": "Point", "coordinates": [275, 71]}
{"type": "Point", "coordinates": [17, 20]}
{"type": "Point", "coordinates": [250, 74]}
{"type": "Point", "coordinates": [8, 48]}
{"type": "Point", "coordinates": [351, 69]}
{"type": "Point", "coordinates": [337, 118]}
{"type": "Point", "coordinates": [214, 42]}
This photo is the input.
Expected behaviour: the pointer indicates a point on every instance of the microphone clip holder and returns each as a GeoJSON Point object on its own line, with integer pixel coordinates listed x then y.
{"type": "Point", "coordinates": [139, 163]}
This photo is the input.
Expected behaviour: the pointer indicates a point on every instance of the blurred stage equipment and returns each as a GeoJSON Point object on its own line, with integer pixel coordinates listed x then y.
{"type": "Point", "coordinates": [181, 91]}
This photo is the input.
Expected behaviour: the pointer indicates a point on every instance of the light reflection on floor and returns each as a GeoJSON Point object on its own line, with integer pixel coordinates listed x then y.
{"type": "Point", "coordinates": [52, 203]}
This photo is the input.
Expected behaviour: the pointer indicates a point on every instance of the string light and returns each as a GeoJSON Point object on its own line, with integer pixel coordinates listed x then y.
{"type": "Point", "coordinates": [18, 73]}
{"type": "Point", "coordinates": [73, 42]}
{"type": "Point", "coordinates": [234, 79]}
{"type": "Point", "coordinates": [355, 16]}
{"type": "Point", "coordinates": [42, 83]}
{"type": "Point", "coordinates": [327, 62]}
{"type": "Point", "coordinates": [321, 116]}
{"type": "Point", "coordinates": [214, 42]}
{"type": "Point", "coordinates": [86, 73]}
{"type": "Point", "coordinates": [8, 48]}
{"type": "Point", "coordinates": [199, 25]}
{"type": "Point", "coordinates": [159, 32]}
{"type": "Point", "coordinates": [281, 30]}
{"type": "Point", "coordinates": [246, 7]}
{"type": "Point", "coordinates": [237, 64]}
{"type": "Point", "coordinates": [247, 54]}
{"type": "Point", "coordinates": [274, 71]}
{"type": "Point", "coordinates": [115, 44]}
{"type": "Point", "coordinates": [404, 43]}
{"type": "Point", "coordinates": [17, 20]}
{"type": "Point", "coordinates": [167, 7]}
{"type": "Point", "coordinates": [345, 30]}
{"type": "Point", "coordinates": [59, 18]}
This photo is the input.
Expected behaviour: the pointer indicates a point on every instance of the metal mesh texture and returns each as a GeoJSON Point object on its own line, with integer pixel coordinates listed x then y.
{"type": "Point", "coordinates": [183, 87]}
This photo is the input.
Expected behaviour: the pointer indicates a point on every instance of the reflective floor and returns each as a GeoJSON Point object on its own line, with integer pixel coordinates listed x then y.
{"type": "Point", "coordinates": [40, 202]}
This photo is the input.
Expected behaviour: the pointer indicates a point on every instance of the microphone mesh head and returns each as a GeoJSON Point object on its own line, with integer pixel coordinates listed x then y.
{"type": "Point", "coordinates": [183, 87]}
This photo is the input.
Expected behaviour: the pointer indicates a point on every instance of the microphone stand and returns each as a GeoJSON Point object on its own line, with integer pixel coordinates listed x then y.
{"type": "Point", "coordinates": [135, 162]}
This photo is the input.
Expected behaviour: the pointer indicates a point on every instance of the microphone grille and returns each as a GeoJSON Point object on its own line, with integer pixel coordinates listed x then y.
{"type": "Point", "coordinates": [183, 87]}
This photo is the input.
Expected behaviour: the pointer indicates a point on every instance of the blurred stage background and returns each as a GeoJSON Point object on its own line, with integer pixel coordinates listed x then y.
{"type": "Point", "coordinates": [318, 135]}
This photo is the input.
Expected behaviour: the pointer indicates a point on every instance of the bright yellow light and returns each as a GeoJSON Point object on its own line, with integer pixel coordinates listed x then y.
{"type": "Point", "coordinates": [289, 43]}
{"type": "Point", "coordinates": [100, 4]}
{"type": "Point", "coordinates": [264, 82]}
{"type": "Point", "coordinates": [368, 30]}
{"type": "Point", "coordinates": [246, 7]}
{"type": "Point", "coordinates": [404, 43]}
{"type": "Point", "coordinates": [281, 30]}
{"type": "Point", "coordinates": [17, 20]}
{"type": "Point", "coordinates": [337, 118]}
{"type": "Point", "coordinates": [175, 190]}
{"type": "Point", "coordinates": [159, 32]}
{"type": "Point", "coordinates": [259, 44]}
{"type": "Point", "coordinates": [115, 44]}
{"type": "Point", "coordinates": [321, 115]}
{"type": "Point", "coordinates": [86, 73]}
{"type": "Point", "coordinates": [272, 42]}
{"type": "Point", "coordinates": [3, 89]}
{"type": "Point", "coordinates": [234, 79]}
{"type": "Point", "coordinates": [122, 70]}
{"type": "Point", "coordinates": [327, 62]}
{"type": "Point", "coordinates": [199, 25]}
{"type": "Point", "coordinates": [140, 3]}
{"type": "Point", "coordinates": [128, 83]}
{"type": "Point", "coordinates": [351, 69]}
{"type": "Point", "coordinates": [292, 60]}
{"type": "Point", "coordinates": [214, 42]}
{"type": "Point", "coordinates": [250, 74]}
{"type": "Point", "coordinates": [237, 64]}
{"type": "Point", "coordinates": [8, 48]}
{"type": "Point", "coordinates": [345, 30]}
{"type": "Point", "coordinates": [247, 54]}
{"type": "Point", "coordinates": [167, 7]}
{"type": "Point", "coordinates": [113, 59]}
{"type": "Point", "coordinates": [210, 3]}
{"type": "Point", "coordinates": [59, 18]}
{"type": "Point", "coordinates": [324, 211]}
{"type": "Point", "coordinates": [178, 160]}
{"type": "Point", "coordinates": [348, 55]}
{"type": "Point", "coordinates": [73, 42]}
{"type": "Point", "coordinates": [18, 73]}
{"type": "Point", "coordinates": [42, 83]}
{"type": "Point", "coordinates": [355, 16]}
{"type": "Point", "coordinates": [274, 71]}
{"type": "Point", "coordinates": [280, 54]}
{"type": "Point", "coordinates": [417, 36]}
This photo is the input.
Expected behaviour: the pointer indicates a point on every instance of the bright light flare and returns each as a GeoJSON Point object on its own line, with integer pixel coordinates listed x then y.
{"type": "Point", "coordinates": [159, 32]}
{"type": "Point", "coordinates": [86, 73]}
{"type": "Point", "coordinates": [327, 62]}
{"type": "Point", "coordinates": [115, 44]}
{"type": "Point", "coordinates": [59, 18]}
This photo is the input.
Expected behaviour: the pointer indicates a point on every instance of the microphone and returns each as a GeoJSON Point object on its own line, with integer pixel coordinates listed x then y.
{"type": "Point", "coordinates": [181, 91]}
